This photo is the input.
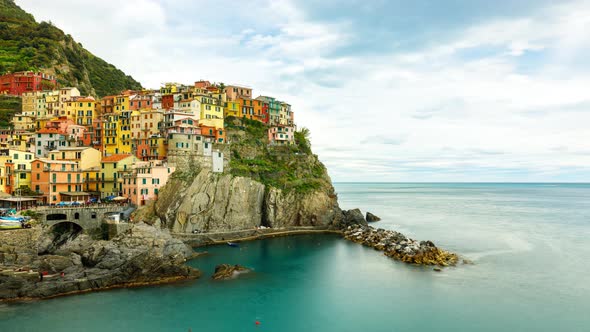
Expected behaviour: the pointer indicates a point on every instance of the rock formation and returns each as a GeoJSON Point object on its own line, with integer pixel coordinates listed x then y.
{"type": "Point", "coordinates": [144, 255]}
{"type": "Point", "coordinates": [400, 247]}
{"type": "Point", "coordinates": [217, 203]}
{"type": "Point", "coordinates": [371, 217]}
{"type": "Point", "coordinates": [227, 271]}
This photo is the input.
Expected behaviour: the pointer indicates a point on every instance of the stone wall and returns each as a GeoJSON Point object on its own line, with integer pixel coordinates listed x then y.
{"type": "Point", "coordinates": [20, 237]}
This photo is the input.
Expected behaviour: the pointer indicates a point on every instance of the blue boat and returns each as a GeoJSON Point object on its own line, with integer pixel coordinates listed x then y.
{"type": "Point", "coordinates": [232, 244]}
{"type": "Point", "coordinates": [16, 219]}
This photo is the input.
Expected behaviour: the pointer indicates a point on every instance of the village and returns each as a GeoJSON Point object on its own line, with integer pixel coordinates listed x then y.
{"type": "Point", "coordinates": [68, 149]}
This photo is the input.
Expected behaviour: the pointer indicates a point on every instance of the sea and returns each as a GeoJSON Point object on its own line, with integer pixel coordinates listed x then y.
{"type": "Point", "coordinates": [530, 244]}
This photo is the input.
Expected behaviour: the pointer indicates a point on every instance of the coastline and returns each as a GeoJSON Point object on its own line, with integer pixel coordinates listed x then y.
{"type": "Point", "coordinates": [207, 239]}
{"type": "Point", "coordinates": [134, 284]}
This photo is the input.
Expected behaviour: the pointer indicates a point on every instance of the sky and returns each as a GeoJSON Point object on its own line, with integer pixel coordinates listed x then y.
{"type": "Point", "coordinates": [392, 91]}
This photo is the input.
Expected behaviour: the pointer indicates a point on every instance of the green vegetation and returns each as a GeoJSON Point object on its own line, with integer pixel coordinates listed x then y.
{"type": "Point", "coordinates": [8, 107]}
{"type": "Point", "coordinates": [290, 168]}
{"type": "Point", "coordinates": [28, 45]}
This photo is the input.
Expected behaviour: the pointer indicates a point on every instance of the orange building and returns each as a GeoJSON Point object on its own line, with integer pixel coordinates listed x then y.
{"type": "Point", "coordinates": [57, 180]}
{"type": "Point", "coordinates": [246, 108]}
{"type": "Point", "coordinates": [216, 135]}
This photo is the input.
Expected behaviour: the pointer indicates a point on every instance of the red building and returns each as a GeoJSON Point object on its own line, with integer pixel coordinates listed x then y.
{"type": "Point", "coordinates": [26, 81]}
{"type": "Point", "coordinates": [168, 102]}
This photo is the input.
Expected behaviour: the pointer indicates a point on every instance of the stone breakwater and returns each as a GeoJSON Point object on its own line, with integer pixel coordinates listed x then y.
{"type": "Point", "coordinates": [400, 247]}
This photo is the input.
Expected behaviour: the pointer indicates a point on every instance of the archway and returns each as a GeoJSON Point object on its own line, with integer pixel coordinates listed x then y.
{"type": "Point", "coordinates": [61, 233]}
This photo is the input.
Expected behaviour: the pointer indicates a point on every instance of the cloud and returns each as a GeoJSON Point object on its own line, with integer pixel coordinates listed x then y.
{"type": "Point", "coordinates": [391, 91]}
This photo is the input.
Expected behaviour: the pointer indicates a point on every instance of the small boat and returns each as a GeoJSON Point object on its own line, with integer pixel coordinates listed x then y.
{"type": "Point", "coordinates": [232, 244]}
{"type": "Point", "coordinates": [10, 225]}
{"type": "Point", "coordinates": [7, 218]}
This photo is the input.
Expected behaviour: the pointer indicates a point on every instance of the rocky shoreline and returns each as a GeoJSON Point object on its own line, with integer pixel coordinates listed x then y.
{"type": "Point", "coordinates": [143, 256]}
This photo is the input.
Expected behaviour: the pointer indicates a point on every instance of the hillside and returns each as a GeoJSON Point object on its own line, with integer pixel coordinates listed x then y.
{"type": "Point", "coordinates": [28, 45]}
{"type": "Point", "coordinates": [9, 106]}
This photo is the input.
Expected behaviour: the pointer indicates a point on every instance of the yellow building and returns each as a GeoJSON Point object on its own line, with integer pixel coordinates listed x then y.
{"type": "Point", "coordinates": [65, 95]}
{"type": "Point", "coordinates": [169, 88]}
{"type": "Point", "coordinates": [92, 182]}
{"type": "Point", "coordinates": [23, 122]}
{"type": "Point", "coordinates": [110, 168]}
{"type": "Point", "coordinates": [81, 110]}
{"type": "Point", "coordinates": [232, 108]}
{"type": "Point", "coordinates": [5, 176]}
{"type": "Point", "coordinates": [110, 132]}
{"type": "Point", "coordinates": [121, 103]}
{"type": "Point", "coordinates": [28, 103]}
{"type": "Point", "coordinates": [85, 157]}
{"type": "Point", "coordinates": [22, 168]}
{"type": "Point", "coordinates": [51, 103]}
{"type": "Point", "coordinates": [22, 141]}
{"type": "Point", "coordinates": [211, 111]}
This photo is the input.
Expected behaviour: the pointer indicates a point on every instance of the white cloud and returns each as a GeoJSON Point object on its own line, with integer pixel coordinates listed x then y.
{"type": "Point", "coordinates": [459, 110]}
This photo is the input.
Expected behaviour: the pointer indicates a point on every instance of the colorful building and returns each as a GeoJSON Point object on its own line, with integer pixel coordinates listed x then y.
{"type": "Point", "coordinates": [48, 139]}
{"type": "Point", "coordinates": [278, 135]}
{"type": "Point", "coordinates": [109, 173]}
{"type": "Point", "coordinates": [23, 122]}
{"type": "Point", "coordinates": [235, 92]}
{"type": "Point", "coordinates": [144, 181]}
{"type": "Point", "coordinates": [85, 157]}
{"type": "Point", "coordinates": [57, 180]}
{"type": "Point", "coordinates": [26, 81]}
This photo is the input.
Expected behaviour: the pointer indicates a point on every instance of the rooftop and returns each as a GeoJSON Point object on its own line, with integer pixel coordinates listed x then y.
{"type": "Point", "coordinates": [115, 158]}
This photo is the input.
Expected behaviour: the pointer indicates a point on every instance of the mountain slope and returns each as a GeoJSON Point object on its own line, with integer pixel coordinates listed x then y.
{"type": "Point", "coordinates": [28, 45]}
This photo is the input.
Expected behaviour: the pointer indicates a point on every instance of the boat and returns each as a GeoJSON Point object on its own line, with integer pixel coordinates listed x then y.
{"type": "Point", "coordinates": [10, 225]}
{"type": "Point", "coordinates": [7, 218]}
{"type": "Point", "coordinates": [232, 244]}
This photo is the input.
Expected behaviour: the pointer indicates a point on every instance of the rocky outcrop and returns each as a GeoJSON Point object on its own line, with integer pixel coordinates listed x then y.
{"type": "Point", "coordinates": [400, 247]}
{"type": "Point", "coordinates": [210, 203]}
{"type": "Point", "coordinates": [227, 271]}
{"type": "Point", "coordinates": [292, 209]}
{"type": "Point", "coordinates": [371, 217]}
{"type": "Point", "coordinates": [352, 218]}
{"type": "Point", "coordinates": [144, 255]}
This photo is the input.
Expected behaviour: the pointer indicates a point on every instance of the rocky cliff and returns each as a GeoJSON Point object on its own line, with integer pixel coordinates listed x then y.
{"type": "Point", "coordinates": [220, 203]}
{"type": "Point", "coordinates": [271, 186]}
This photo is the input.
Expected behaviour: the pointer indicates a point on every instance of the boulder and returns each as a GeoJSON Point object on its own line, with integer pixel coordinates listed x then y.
{"type": "Point", "coordinates": [354, 217]}
{"type": "Point", "coordinates": [227, 271]}
{"type": "Point", "coordinates": [372, 218]}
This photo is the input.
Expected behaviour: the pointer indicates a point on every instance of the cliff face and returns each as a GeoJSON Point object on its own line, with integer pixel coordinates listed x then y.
{"type": "Point", "coordinates": [211, 203]}
{"type": "Point", "coordinates": [278, 187]}
{"type": "Point", "coordinates": [218, 203]}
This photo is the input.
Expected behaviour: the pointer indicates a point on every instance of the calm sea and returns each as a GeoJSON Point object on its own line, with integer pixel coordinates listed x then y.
{"type": "Point", "coordinates": [530, 243]}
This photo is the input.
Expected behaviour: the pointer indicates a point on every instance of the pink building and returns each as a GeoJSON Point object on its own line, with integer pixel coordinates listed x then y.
{"type": "Point", "coordinates": [61, 124]}
{"type": "Point", "coordinates": [76, 132]}
{"type": "Point", "coordinates": [281, 135]}
{"type": "Point", "coordinates": [144, 181]}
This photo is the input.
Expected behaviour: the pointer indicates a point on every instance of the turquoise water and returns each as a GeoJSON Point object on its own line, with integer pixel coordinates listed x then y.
{"type": "Point", "coordinates": [531, 245]}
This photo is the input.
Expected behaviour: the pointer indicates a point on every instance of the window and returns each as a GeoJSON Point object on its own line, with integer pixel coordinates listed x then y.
{"type": "Point", "coordinates": [144, 181]}
{"type": "Point", "coordinates": [38, 176]}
